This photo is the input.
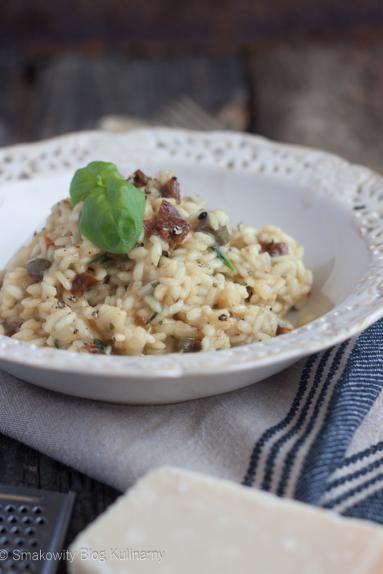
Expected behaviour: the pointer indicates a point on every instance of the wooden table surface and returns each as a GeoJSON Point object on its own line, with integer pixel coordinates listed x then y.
{"type": "Point", "coordinates": [328, 96]}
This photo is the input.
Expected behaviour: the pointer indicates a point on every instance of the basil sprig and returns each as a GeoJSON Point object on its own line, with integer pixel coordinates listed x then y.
{"type": "Point", "coordinates": [113, 209]}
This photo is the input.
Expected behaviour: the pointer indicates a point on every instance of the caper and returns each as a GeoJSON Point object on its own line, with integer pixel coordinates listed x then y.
{"type": "Point", "coordinates": [37, 267]}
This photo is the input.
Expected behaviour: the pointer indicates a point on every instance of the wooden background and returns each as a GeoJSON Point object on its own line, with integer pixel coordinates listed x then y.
{"type": "Point", "coordinates": [29, 27]}
{"type": "Point", "coordinates": [302, 71]}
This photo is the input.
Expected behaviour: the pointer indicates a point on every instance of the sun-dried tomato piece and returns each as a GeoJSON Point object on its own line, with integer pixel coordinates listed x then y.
{"type": "Point", "coordinates": [139, 178]}
{"type": "Point", "coordinates": [168, 224]}
{"type": "Point", "coordinates": [171, 189]}
{"type": "Point", "coordinates": [83, 282]}
{"type": "Point", "coordinates": [48, 241]}
{"type": "Point", "coordinates": [274, 249]}
{"type": "Point", "coordinates": [282, 330]}
{"type": "Point", "coordinates": [139, 321]}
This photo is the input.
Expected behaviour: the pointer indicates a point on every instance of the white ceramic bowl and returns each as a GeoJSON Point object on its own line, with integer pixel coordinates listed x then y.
{"type": "Point", "coordinates": [332, 208]}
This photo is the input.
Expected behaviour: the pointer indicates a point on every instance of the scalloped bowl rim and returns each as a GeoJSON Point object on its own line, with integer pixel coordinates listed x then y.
{"type": "Point", "coordinates": [324, 332]}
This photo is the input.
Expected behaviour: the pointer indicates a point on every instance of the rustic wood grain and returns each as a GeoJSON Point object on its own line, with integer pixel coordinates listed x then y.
{"type": "Point", "coordinates": [327, 96]}
{"type": "Point", "coordinates": [23, 466]}
{"type": "Point", "coordinates": [38, 26]}
{"type": "Point", "coordinates": [12, 102]}
{"type": "Point", "coordinates": [74, 92]}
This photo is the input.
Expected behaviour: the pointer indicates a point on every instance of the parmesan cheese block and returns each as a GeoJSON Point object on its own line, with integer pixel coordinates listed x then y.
{"type": "Point", "coordinates": [178, 522]}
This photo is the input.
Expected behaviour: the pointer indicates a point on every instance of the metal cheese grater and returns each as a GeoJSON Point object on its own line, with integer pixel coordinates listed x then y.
{"type": "Point", "coordinates": [33, 525]}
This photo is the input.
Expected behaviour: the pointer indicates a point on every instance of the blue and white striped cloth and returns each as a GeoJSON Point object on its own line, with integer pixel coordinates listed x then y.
{"type": "Point", "coordinates": [313, 432]}
{"type": "Point", "coordinates": [328, 448]}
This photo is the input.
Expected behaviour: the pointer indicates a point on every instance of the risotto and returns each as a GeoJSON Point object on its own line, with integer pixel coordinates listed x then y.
{"type": "Point", "coordinates": [190, 282]}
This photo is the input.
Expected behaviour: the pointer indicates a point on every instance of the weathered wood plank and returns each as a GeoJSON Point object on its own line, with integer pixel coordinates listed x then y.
{"type": "Point", "coordinates": [150, 27]}
{"type": "Point", "coordinates": [12, 103]}
{"type": "Point", "coordinates": [322, 96]}
{"type": "Point", "coordinates": [74, 92]}
{"type": "Point", "coordinates": [21, 465]}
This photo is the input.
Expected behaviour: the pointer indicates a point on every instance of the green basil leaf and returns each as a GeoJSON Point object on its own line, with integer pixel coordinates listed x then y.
{"type": "Point", "coordinates": [94, 177]}
{"type": "Point", "coordinates": [112, 217]}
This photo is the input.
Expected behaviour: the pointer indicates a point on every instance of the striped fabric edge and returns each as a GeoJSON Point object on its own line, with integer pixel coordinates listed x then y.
{"type": "Point", "coordinates": [276, 450]}
{"type": "Point", "coordinates": [369, 507]}
{"type": "Point", "coordinates": [260, 450]}
{"type": "Point", "coordinates": [354, 395]}
{"type": "Point", "coordinates": [295, 457]}
{"type": "Point", "coordinates": [302, 456]}
{"type": "Point", "coordinates": [357, 478]}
